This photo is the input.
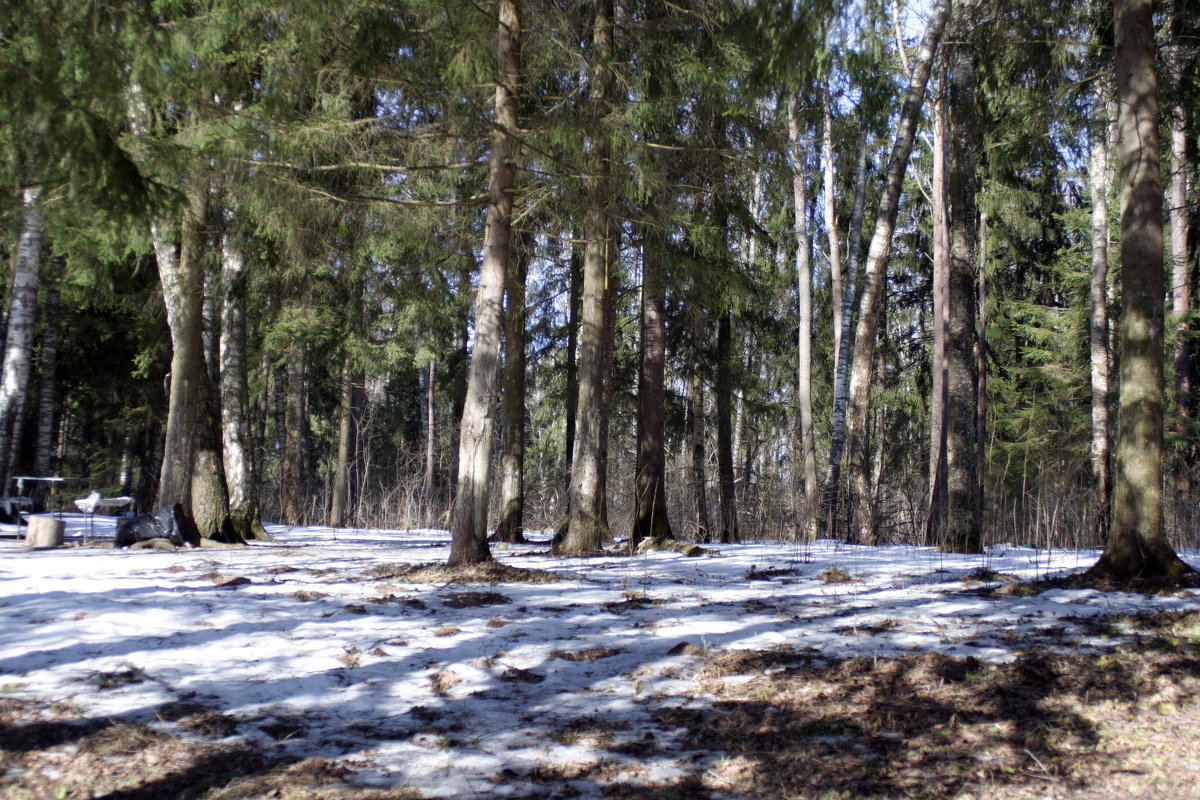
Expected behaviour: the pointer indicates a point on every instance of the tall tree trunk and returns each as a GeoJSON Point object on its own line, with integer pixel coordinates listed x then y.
{"type": "Point", "coordinates": [430, 435]}
{"type": "Point", "coordinates": [574, 297]}
{"type": "Point", "coordinates": [340, 501]}
{"type": "Point", "coordinates": [935, 521]}
{"type": "Point", "coordinates": [512, 446]}
{"type": "Point", "coordinates": [825, 521]}
{"type": "Point", "coordinates": [237, 442]}
{"type": "Point", "coordinates": [728, 496]}
{"type": "Point", "coordinates": [981, 351]}
{"type": "Point", "coordinates": [696, 441]}
{"type": "Point", "coordinates": [470, 515]}
{"type": "Point", "coordinates": [607, 358]}
{"type": "Point", "coordinates": [808, 453]}
{"type": "Point", "coordinates": [182, 279]}
{"type": "Point", "coordinates": [1181, 306]}
{"type": "Point", "coordinates": [650, 478]}
{"type": "Point", "coordinates": [1099, 177]}
{"type": "Point", "coordinates": [292, 475]}
{"type": "Point", "coordinates": [48, 371]}
{"type": "Point", "coordinates": [1137, 544]}
{"type": "Point", "coordinates": [208, 491]}
{"type": "Point", "coordinates": [837, 290]}
{"type": "Point", "coordinates": [963, 515]}
{"type": "Point", "coordinates": [18, 346]}
{"type": "Point", "coordinates": [875, 276]}
{"type": "Point", "coordinates": [587, 529]}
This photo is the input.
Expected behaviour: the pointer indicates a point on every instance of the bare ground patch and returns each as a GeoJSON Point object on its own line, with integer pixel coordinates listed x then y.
{"type": "Point", "coordinates": [490, 573]}
{"type": "Point", "coordinates": [49, 756]}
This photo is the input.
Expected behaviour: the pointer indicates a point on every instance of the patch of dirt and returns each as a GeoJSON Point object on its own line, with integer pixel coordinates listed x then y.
{"type": "Point", "coordinates": [308, 596]}
{"type": "Point", "coordinates": [756, 574]}
{"type": "Point", "coordinates": [476, 599]}
{"type": "Point", "coordinates": [490, 573]}
{"type": "Point", "coordinates": [930, 726]}
{"type": "Point", "coordinates": [47, 755]}
{"type": "Point", "coordinates": [836, 575]}
{"type": "Point", "coordinates": [587, 654]}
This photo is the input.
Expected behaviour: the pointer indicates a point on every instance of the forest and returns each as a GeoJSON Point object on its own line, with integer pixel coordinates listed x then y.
{"type": "Point", "coordinates": [628, 270]}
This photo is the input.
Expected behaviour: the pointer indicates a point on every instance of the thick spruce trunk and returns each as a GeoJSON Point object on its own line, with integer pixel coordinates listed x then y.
{"type": "Point", "coordinates": [511, 527]}
{"type": "Point", "coordinates": [18, 345]}
{"type": "Point", "coordinates": [1137, 544]}
{"type": "Point", "coordinates": [650, 478]}
{"type": "Point", "coordinates": [963, 514]}
{"type": "Point", "coordinates": [470, 515]}
{"type": "Point", "coordinates": [875, 277]}
{"type": "Point", "coordinates": [587, 529]}
{"type": "Point", "coordinates": [808, 453]}
{"type": "Point", "coordinates": [237, 443]}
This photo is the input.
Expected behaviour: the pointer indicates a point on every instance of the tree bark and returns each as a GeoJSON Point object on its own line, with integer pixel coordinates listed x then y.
{"type": "Point", "coordinates": [512, 445]}
{"type": "Point", "coordinates": [340, 501]}
{"type": "Point", "coordinates": [587, 529]}
{"type": "Point", "coordinates": [825, 521]}
{"type": "Point", "coordinates": [1181, 306]}
{"type": "Point", "coordinates": [237, 443]}
{"type": "Point", "coordinates": [650, 477]}
{"type": "Point", "coordinates": [430, 435]}
{"type": "Point", "coordinates": [48, 371]}
{"type": "Point", "coordinates": [935, 521]}
{"type": "Point", "coordinates": [728, 496]}
{"type": "Point", "coordinates": [1137, 544]}
{"type": "Point", "coordinates": [470, 515]}
{"type": "Point", "coordinates": [22, 320]}
{"type": "Point", "coordinates": [874, 278]}
{"type": "Point", "coordinates": [1099, 177]}
{"type": "Point", "coordinates": [182, 278]}
{"type": "Point", "coordinates": [696, 441]}
{"type": "Point", "coordinates": [964, 517]}
{"type": "Point", "coordinates": [808, 454]}
{"type": "Point", "coordinates": [292, 474]}
{"type": "Point", "coordinates": [574, 296]}
{"type": "Point", "coordinates": [837, 290]}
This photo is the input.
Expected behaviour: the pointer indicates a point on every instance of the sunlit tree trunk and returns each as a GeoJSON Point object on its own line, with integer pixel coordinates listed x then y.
{"type": "Point", "coordinates": [875, 276]}
{"type": "Point", "coordinates": [48, 371]}
{"type": "Point", "coordinates": [340, 501]}
{"type": "Point", "coordinates": [825, 521]}
{"type": "Point", "coordinates": [1099, 177]}
{"type": "Point", "coordinates": [470, 515]}
{"type": "Point", "coordinates": [808, 456]}
{"type": "Point", "coordinates": [1137, 544]}
{"type": "Point", "coordinates": [587, 529]}
{"type": "Point", "coordinates": [430, 434]}
{"type": "Point", "coordinates": [182, 277]}
{"type": "Point", "coordinates": [22, 320]}
{"type": "Point", "coordinates": [236, 438]}
{"type": "Point", "coordinates": [1181, 306]}
{"type": "Point", "coordinates": [935, 523]}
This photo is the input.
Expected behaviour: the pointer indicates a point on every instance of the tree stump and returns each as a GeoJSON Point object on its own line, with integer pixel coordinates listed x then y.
{"type": "Point", "coordinates": [45, 531]}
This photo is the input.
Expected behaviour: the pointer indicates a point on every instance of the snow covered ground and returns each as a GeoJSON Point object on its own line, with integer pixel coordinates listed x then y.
{"type": "Point", "coordinates": [444, 686]}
